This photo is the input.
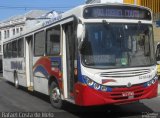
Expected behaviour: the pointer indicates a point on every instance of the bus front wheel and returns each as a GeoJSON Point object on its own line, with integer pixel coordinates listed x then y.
{"type": "Point", "coordinates": [55, 96]}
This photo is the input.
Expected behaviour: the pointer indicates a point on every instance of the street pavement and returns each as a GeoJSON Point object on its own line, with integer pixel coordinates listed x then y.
{"type": "Point", "coordinates": [21, 100]}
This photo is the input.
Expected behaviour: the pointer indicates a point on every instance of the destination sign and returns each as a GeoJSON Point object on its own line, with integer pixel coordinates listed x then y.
{"type": "Point", "coordinates": [119, 12]}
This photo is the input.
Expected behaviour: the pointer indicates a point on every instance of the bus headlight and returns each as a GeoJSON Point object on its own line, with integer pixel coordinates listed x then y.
{"type": "Point", "coordinates": [96, 86]}
{"type": "Point", "coordinates": [88, 81]}
{"type": "Point", "coordinates": [156, 77]}
{"type": "Point", "coordinates": [153, 81]}
{"type": "Point", "coordinates": [149, 83]}
{"type": "Point", "coordinates": [103, 88]}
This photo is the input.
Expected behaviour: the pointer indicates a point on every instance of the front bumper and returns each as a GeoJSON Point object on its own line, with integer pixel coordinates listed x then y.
{"type": "Point", "coordinates": [86, 96]}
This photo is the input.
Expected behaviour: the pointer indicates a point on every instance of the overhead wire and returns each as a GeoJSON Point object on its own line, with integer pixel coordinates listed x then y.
{"type": "Point", "coordinates": [27, 7]}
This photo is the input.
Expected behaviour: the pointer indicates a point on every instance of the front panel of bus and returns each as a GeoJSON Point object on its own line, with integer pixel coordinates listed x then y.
{"type": "Point", "coordinates": [117, 59]}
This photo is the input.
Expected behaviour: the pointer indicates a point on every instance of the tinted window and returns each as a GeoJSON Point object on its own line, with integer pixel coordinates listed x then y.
{"type": "Point", "coordinates": [5, 50]}
{"type": "Point", "coordinates": [20, 48]}
{"type": "Point", "coordinates": [118, 45]}
{"type": "Point", "coordinates": [9, 49]}
{"type": "Point", "coordinates": [14, 48]}
{"type": "Point", "coordinates": [53, 41]}
{"type": "Point", "coordinates": [0, 36]}
{"type": "Point", "coordinates": [39, 45]}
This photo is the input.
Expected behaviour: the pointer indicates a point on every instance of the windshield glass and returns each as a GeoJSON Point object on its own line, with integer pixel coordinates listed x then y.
{"type": "Point", "coordinates": [117, 45]}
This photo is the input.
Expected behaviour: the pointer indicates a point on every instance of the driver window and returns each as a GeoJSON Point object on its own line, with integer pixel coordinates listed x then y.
{"type": "Point", "coordinates": [134, 43]}
{"type": "Point", "coordinates": [146, 46]}
{"type": "Point", "coordinates": [129, 43]}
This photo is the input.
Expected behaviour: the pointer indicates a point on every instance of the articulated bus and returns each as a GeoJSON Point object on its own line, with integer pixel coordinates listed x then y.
{"type": "Point", "coordinates": [94, 54]}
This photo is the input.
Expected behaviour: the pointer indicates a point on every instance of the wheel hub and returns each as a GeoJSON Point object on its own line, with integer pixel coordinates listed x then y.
{"type": "Point", "coordinates": [55, 94]}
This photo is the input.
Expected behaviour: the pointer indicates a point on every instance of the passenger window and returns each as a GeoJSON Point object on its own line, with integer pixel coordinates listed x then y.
{"type": "Point", "coordinates": [39, 44]}
{"type": "Point", "coordinates": [53, 41]}
{"type": "Point", "coordinates": [14, 49]}
{"type": "Point", "coordinates": [9, 50]}
{"type": "Point", "coordinates": [20, 48]}
{"type": "Point", "coordinates": [5, 50]}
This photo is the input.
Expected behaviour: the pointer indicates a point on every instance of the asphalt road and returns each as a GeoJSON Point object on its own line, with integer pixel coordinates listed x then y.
{"type": "Point", "coordinates": [20, 100]}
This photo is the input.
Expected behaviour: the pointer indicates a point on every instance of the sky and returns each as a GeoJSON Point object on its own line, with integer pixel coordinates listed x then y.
{"type": "Point", "coordinates": [9, 8]}
{"type": "Point", "coordinates": [112, 1]}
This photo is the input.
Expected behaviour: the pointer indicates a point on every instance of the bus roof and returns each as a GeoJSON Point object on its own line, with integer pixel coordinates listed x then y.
{"type": "Point", "coordinates": [77, 12]}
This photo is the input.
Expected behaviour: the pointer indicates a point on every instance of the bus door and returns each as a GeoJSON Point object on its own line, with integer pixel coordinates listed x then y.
{"type": "Point", "coordinates": [29, 61]}
{"type": "Point", "coordinates": [69, 41]}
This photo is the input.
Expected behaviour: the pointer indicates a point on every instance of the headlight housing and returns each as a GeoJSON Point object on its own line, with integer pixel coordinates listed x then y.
{"type": "Point", "coordinates": [151, 82]}
{"type": "Point", "coordinates": [95, 85]}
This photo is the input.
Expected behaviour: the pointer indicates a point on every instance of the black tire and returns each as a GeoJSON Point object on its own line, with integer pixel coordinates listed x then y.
{"type": "Point", "coordinates": [55, 96]}
{"type": "Point", "coordinates": [16, 81]}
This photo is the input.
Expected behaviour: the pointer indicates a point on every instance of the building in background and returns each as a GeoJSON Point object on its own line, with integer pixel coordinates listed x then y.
{"type": "Point", "coordinates": [154, 5]}
{"type": "Point", "coordinates": [17, 24]}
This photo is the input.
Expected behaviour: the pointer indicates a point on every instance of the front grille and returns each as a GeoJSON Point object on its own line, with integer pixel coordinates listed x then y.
{"type": "Point", "coordinates": [128, 73]}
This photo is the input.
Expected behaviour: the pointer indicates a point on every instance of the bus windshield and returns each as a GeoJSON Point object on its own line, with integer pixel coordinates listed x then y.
{"type": "Point", "coordinates": [113, 45]}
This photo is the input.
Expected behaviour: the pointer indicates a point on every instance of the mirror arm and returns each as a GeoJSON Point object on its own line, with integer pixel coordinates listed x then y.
{"type": "Point", "coordinates": [80, 45]}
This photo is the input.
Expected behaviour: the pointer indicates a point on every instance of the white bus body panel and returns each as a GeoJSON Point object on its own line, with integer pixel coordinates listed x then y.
{"type": "Point", "coordinates": [95, 75]}
{"type": "Point", "coordinates": [64, 66]}
{"type": "Point", "coordinates": [27, 63]}
{"type": "Point", "coordinates": [8, 73]}
{"type": "Point", "coordinates": [40, 82]}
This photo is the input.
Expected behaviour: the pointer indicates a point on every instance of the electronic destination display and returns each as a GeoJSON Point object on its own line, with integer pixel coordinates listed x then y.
{"type": "Point", "coordinates": [119, 12]}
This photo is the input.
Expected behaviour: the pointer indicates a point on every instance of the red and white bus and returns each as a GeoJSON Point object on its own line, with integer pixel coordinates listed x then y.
{"type": "Point", "coordinates": [93, 54]}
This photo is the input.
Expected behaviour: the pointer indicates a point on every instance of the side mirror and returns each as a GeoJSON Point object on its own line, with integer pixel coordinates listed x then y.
{"type": "Point", "coordinates": [80, 31]}
{"type": "Point", "coordinates": [80, 35]}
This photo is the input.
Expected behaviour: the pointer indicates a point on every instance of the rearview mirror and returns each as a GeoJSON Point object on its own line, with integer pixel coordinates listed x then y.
{"type": "Point", "coordinates": [80, 31]}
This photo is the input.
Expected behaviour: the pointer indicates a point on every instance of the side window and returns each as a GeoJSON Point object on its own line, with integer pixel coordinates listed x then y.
{"type": "Point", "coordinates": [39, 44]}
{"type": "Point", "coordinates": [53, 41]}
{"type": "Point", "coordinates": [5, 50]}
{"type": "Point", "coordinates": [21, 48]}
{"type": "Point", "coordinates": [14, 49]}
{"type": "Point", "coordinates": [9, 49]}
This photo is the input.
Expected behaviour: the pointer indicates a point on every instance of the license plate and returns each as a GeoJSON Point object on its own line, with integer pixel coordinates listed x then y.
{"type": "Point", "coordinates": [127, 94]}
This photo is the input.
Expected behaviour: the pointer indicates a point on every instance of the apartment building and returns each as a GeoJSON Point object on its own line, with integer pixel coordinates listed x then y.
{"type": "Point", "coordinates": [17, 24]}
